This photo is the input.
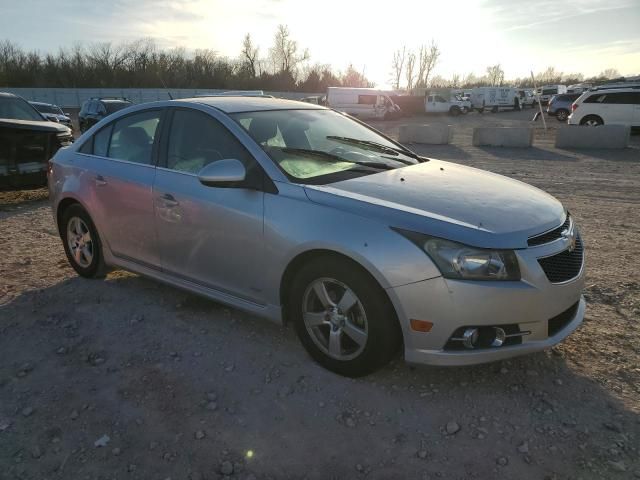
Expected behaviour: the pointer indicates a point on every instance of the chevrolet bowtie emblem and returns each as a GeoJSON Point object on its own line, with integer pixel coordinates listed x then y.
{"type": "Point", "coordinates": [571, 236]}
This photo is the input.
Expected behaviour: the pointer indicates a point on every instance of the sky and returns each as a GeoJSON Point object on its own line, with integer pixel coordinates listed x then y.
{"type": "Point", "coordinates": [586, 36]}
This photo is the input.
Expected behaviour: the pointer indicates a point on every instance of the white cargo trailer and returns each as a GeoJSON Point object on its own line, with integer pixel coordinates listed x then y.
{"type": "Point", "coordinates": [495, 98]}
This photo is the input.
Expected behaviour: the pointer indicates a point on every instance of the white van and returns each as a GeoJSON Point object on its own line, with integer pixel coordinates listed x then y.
{"type": "Point", "coordinates": [363, 103]}
{"type": "Point", "coordinates": [607, 106]}
{"type": "Point", "coordinates": [545, 92]}
{"type": "Point", "coordinates": [439, 102]}
{"type": "Point", "coordinates": [495, 98]}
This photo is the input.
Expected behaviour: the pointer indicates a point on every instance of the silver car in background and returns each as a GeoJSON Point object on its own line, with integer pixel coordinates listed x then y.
{"type": "Point", "coordinates": [300, 214]}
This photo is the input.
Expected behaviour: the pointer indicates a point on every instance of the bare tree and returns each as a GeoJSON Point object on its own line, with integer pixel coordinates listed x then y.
{"type": "Point", "coordinates": [428, 56]}
{"type": "Point", "coordinates": [410, 71]}
{"type": "Point", "coordinates": [495, 75]}
{"type": "Point", "coordinates": [249, 55]}
{"type": "Point", "coordinates": [397, 65]}
{"type": "Point", "coordinates": [455, 80]}
{"type": "Point", "coordinates": [285, 53]}
{"type": "Point", "coordinates": [610, 73]}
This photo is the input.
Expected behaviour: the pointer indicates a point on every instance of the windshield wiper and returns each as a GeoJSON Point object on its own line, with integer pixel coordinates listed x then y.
{"type": "Point", "coordinates": [326, 156]}
{"type": "Point", "coordinates": [375, 146]}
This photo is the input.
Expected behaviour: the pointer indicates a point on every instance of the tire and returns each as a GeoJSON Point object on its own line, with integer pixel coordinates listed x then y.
{"type": "Point", "coordinates": [481, 110]}
{"type": "Point", "coordinates": [592, 121]}
{"type": "Point", "coordinates": [454, 111]}
{"type": "Point", "coordinates": [89, 262]}
{"type": "Point", "coordinates": [494, 110]}
{"type": "Point", "coordinates": [370, 319]}
{"type": "Point", "coordinates": [562, 114]}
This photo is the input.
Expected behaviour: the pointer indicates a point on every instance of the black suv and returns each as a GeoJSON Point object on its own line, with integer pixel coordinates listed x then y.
{"type": "Point", "coordinates": [27, 142]}
{"type": "Point", "coordinates": [95, 109]}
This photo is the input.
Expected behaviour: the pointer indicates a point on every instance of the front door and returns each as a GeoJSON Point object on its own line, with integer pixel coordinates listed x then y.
{"type": "Point", "coordinates": [211, 236]}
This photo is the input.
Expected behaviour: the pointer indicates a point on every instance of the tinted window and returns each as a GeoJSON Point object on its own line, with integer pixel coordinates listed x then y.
{"type": "Point", "coordinates": [625, 98]}
{"type": "Point", "coordinates": [596, 98]}
{"type": "Point", "coordinates": [567, 98]}
{"type": "Point", "coordinates": [440, 99]}
{"type": "Point", "coordinates": [115, 106]}
{"type": "Point", "coordinates": [133, 136]}
{"type": "Point", "coordinates": [549, 91]}
{"type": "Point", "coordinates": [367, 99]}
{"type": "Point", "coordinates": [196, 140]}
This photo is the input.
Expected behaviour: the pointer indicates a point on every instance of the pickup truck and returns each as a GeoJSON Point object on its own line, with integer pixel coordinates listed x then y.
{"type": "Point", "coordinates": [27, 142]}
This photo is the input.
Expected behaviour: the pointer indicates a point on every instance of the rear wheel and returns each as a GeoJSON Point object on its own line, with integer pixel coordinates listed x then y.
{"type": "Point", "coordinates": [81, 242]}
{"type": "Point", "coordinates": [343, 317]}
{"type": "Point", "coordinates": [494, 110]}
{"type": "Point", "coordinates": [592, 121]}
{"type": "Point", "coordinates": [562, 115]}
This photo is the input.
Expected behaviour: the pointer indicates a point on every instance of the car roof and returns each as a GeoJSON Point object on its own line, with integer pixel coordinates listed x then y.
{"type": "Point", "coordinates": [230, 104]}
{"type": "Point", "coordinates": [113, 100]}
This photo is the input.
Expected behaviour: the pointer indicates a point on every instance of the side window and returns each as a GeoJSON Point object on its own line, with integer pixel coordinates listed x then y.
{"type": "Point", "coordinates": [595, 99]}
{"type": "Point", "coordinates": [620, 98]}
{"type": "Point", "coordinates": [133, 136]}
{"type": "Point", "coordinates": [367, 99]}
{"type": "Point", "coordinates": [98, 144]}
{"type": "Point", "coordinates": [196, 140]}
{"type": "Point", "coordinates": [439, 99]}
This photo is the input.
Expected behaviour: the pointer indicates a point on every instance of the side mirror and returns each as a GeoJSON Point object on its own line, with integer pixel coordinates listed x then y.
{"type": "Point", "coordinates": [222, 173]}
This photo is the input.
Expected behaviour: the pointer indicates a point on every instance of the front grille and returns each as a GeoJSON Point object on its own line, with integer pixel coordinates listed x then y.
{"type": "Point", "coordinates": [560, 321]}
{"type": "Point", "coordinates": [551, 235]}
{"type": "Point", "coordinates": [565, 265]}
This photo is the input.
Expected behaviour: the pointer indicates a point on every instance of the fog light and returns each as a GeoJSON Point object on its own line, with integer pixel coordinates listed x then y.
{"type": "Point", "coordinates": [470, 337]}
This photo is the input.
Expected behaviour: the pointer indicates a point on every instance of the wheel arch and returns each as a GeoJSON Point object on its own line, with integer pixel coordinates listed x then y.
{"type": "Point", "coordinates": [63, 204]}
{"type": "Point", "coordinates": [302, 258]}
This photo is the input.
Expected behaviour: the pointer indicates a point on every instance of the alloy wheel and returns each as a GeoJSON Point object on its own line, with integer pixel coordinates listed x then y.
{"type": "Point", "coordinates": [80, 242]}
{"type": "Point", "coordinates": [335, 318]}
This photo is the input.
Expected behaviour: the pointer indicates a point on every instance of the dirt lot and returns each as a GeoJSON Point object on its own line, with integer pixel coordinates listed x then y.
{"type": "Point", "coordinates": [126, 378]}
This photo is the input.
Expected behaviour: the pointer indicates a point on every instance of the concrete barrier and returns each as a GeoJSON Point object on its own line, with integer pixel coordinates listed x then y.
{"type": "Point", "coordinates": [604, 136]}
{"type": "Point", "coordinates": [436, 134]}
{"type": "Point", "coordinates": [503, 136]}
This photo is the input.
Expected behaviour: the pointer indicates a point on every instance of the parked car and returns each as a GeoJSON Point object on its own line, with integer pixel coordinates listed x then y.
{"type": "Point", "coordinates": [560, 105]}
{"type": "Point", "coordinates": [299, 213]}
{"type": "Point", "coordinates": [53, 113]}
{"type": "Point", "coordinates": [95, 109]}
{"type": "Point", "coordinates": [436, 103]}
{"type": "Point", "coordinates": [495, 98]}
{"type": "Point", "coordinates": [315, 99]}
{"type": "Point", "coordinates": [27, 142]}
{"type": "Point", "coordinates": [544, 94]}
{"type": "Point", "coordinates": [364, 103]}
{"type": "Point", "coordinates": [607, 106]}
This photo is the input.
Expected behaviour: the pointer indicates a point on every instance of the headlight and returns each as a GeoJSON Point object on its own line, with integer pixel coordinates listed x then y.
{"type": "Point", "coordinates": [459, 261]}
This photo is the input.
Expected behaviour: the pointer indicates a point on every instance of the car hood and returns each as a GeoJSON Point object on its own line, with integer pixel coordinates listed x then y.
{"type": "Point", "coordinates": [450, 201]}
{"type": "Point", "coordinates": [34, 125]}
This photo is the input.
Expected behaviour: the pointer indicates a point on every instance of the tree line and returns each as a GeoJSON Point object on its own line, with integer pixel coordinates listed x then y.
{"type": "Point", "coordinates": [414, 69]}
{"type": "Point", "coordinates": [142, 64]}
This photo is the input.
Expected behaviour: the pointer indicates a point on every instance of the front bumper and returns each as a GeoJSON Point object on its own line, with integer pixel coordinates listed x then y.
{"type": "Point", "coordinates": [452, 304]}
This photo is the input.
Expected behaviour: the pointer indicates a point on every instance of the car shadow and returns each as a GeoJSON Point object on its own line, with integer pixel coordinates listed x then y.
{"type": "Point", "coordinates": [138, 360]}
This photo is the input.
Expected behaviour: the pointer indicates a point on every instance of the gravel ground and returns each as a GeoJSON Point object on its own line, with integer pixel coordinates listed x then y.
{"type": "Point", "coordinates": [127, 378]}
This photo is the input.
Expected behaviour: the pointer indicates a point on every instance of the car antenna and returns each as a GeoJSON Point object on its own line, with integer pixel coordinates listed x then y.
{"type": "Point", "coordinates": [165, 87]}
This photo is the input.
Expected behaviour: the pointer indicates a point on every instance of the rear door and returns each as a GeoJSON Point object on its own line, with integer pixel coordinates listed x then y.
{"type": "Point", "coordinates": [619, 107]}
{"type": "Point", "coordinates": [122, 158]}
{"type": "Point", "coordinates": [210, 236]}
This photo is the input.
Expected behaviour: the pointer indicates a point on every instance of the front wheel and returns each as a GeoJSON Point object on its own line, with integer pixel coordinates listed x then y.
{"type": "Point", "coordinates": [591, 121]}
{"type": "Point", "coordinates": [343, 317]}
{"type": "Point", "coordinates": [454, 111]}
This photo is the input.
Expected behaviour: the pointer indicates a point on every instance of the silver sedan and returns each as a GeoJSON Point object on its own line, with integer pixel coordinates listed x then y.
{"type": "Point", "coordinates": [301, 214]}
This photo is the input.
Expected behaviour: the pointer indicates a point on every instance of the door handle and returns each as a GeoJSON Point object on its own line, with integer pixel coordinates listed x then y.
{"type": "Point", "coordinates": [100, 181]}
{"type": "Point", "coordinates": [169, 200]}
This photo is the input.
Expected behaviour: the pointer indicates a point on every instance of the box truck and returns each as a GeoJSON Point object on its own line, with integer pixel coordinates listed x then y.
{"type": "Point", "coordinates": [495, 98]}
{"type": "Point", "coordinates": [363, 103]}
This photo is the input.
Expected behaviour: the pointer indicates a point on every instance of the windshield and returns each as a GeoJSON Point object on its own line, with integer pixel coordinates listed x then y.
{"type": "Point", "coordinates": [44, 108]}
{"type": "Point", "coordinates": [322, 146]}
{"type": "Point", "coordinates": [18, 109]}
